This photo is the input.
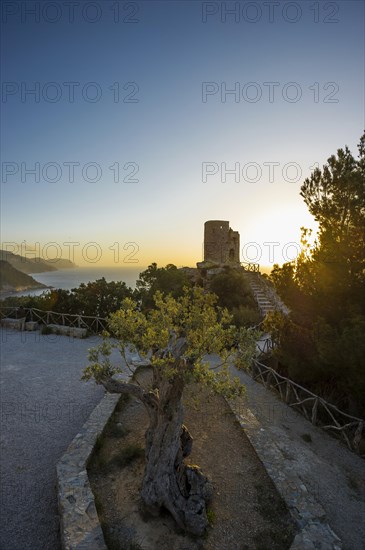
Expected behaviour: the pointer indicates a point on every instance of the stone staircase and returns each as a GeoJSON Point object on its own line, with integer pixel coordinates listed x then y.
{"type": "Point", "coordinates": [265, 296]}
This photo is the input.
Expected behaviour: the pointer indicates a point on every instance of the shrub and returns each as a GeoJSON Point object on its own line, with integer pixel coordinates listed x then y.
{"type": "Point", "coordinates": [245, 316]}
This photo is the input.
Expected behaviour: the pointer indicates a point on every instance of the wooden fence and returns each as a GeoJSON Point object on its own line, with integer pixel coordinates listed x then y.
{"type": "Point", "coordinates": [318, 411]}
{"type": "Point", "coordinates": [95, 325]}
{"type": "Point", "coordinates": [253, 268]}
{"type": "Point", "coordinates": [315, 409]}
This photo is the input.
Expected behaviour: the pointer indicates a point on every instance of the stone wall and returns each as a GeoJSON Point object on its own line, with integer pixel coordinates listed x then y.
{"type": "Point", "coordinates": [221, 243]}
{"type": "Point", "coordinates": [80, 526]}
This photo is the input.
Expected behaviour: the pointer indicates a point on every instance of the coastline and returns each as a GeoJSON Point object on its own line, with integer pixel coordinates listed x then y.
{"type": "Point", "coordinates": [19, 291]}
{"type": "Point", "coordinates": [67, 279]}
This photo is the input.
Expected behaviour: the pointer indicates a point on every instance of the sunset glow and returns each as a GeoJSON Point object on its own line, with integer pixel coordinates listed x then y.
{"type": "Point", "coordinates": [201, 119]}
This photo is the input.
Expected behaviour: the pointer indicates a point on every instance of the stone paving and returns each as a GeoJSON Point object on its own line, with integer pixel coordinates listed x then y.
{"type": "Point", "coordinates": [44, 404]}
{"type": "Point", "coordinates": [321, 480]}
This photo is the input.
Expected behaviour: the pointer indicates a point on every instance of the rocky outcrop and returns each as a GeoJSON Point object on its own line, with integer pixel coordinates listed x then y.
{"type": "Point", "coordinates": [12, 279]}
{"type": "Point", "coordinates": [34, 265]}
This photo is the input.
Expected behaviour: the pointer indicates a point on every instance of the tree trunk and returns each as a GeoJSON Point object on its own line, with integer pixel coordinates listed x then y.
{"type": "Point", "coordinates": [168, 482]}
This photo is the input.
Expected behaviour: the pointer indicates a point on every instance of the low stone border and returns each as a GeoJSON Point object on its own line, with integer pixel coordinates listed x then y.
{"type": "Point", "coordinates": [17, 324]}
{"type": "Point", "coordinates": [80, 527]}
{"type": "Point", "coordinates": [308, 514]}
{"type": "Point", "coordinates": [31, 325]}
{"type": "Point", "coordinates": [75, 332]}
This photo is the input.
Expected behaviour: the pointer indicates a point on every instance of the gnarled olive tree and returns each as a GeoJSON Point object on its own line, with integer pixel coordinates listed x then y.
{"type": "Point", "coordinates": [175, 337]}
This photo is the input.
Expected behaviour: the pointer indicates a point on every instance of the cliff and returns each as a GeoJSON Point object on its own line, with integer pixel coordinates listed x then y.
{"type": "Point", "coordinates": [34, 265]}
{"type": "Point", "coordinates": [12, 279]}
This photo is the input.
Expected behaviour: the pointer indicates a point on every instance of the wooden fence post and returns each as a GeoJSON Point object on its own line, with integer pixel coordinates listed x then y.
{"type": "Point", "coordinates": [314, 412]}
{"type": "Point", "coordinates": [357, 437]}
{"type": "Point", "coordinates": [287, 393]}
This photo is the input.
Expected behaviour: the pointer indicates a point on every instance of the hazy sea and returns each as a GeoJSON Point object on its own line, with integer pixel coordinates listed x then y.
{"type": "Point", "coordinates": [72, 278]}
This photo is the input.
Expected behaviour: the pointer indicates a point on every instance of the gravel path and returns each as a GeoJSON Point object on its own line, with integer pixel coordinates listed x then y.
{"type": "Point", "coordinates": [330, 472]}
{"type": "Point", "coordinates": [43, 405]}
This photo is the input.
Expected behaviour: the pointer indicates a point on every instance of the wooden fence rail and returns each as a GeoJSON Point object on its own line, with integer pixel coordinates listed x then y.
{"type": "Point", "coordinates": [251, 267]}
{"type": "Point", "coordinates": [315, 409]}
{"type": "Point", "coordinates": [94, 325]}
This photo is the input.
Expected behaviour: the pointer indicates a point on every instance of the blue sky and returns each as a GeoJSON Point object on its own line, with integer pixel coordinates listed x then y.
{"type": "Point", "coordinates": [168, 136]}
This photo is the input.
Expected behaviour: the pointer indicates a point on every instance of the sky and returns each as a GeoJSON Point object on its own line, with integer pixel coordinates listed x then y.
{"type": "Point", "coordinates": [127, 125]}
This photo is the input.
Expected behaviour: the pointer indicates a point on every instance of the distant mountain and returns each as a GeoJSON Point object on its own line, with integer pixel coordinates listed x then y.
{"type": "Point", "coordinates": [34, 265]}
{"type": "Point", "coordinates": [60, 263]}
{"type": "Point", "coordinates": [12, 279]}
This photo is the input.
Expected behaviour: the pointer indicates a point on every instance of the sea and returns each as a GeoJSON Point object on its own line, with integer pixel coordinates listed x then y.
{"type": "Point", "coordinates": [72, 278]}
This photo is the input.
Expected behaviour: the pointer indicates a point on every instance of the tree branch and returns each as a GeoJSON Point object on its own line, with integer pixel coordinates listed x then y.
{"type": "Point", "coordinates": [116, 386]}
{"type": "Point", "coordinates": [149, 399]}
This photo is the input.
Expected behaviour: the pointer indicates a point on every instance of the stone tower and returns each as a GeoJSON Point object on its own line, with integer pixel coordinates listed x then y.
{"type": "Point", "coordinates": [221, 243]}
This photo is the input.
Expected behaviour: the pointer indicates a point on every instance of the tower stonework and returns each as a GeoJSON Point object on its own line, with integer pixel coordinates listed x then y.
{"type": "Point", "coordinates": [221, 243]}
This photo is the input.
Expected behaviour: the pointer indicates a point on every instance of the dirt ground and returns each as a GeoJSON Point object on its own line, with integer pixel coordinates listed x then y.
{"type": "Point", "coordinates": [246, 511]}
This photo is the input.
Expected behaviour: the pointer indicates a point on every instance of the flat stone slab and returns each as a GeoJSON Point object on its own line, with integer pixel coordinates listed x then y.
{"type": "Point", "coordinates": [31, 325]}
{"type": "Point", "coordinates": [314, 534]}
{"type": "Point", "coordinates": [17, 324]}
{"type": "Point", "coordinates": [75, 332]}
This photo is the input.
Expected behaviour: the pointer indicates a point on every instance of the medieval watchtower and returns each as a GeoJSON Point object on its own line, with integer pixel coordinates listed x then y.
{"type": "Point", "coordinates": [221, 243]}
